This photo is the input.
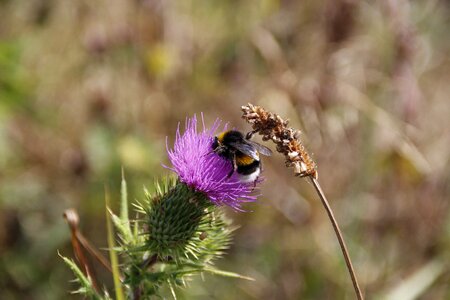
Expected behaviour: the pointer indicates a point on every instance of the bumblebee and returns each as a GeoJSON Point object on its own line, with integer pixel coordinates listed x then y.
{"type": "Point", "coordinates": [241, 152]}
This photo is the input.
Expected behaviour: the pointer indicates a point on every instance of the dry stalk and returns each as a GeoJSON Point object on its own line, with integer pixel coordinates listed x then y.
{"type": "Point", "coordinates": [272, 127]}
{"type": "Point", "coordinates": [79, 242]}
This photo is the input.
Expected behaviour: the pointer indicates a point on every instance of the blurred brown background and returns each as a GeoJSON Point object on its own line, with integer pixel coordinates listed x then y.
{"type": "Point", "coordinates": [89, 86]}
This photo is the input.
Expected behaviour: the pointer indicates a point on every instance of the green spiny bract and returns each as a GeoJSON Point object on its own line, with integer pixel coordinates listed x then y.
{"type": "Point", "coordinates": [173, 220]}
{"type": "Point", "coordinates": [183, 235]}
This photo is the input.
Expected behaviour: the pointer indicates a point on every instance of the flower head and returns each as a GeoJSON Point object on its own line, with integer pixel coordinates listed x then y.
{"type": "Point", "coordinates": [199, 167]}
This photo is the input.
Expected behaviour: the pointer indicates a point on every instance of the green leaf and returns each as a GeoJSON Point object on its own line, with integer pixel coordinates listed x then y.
{"type": "Point", "coordinates": [172, 290]}
{"type": "Point", "coordinates": [86, 288]}
{"type": "Point", "coordinates": [124, 229]}
{"type": "Point", "coordinates": [113, 253]}
{"type": "Point", "coordinates": [124, 207]}
{"type": "Point", "coordinates": [227, 274]}
{"type": "Point", "coordinates": [415, 285]}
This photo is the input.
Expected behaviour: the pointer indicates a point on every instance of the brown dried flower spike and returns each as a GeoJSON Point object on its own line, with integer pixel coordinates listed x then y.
{"type": "Point", "coordinates": [272, 127]}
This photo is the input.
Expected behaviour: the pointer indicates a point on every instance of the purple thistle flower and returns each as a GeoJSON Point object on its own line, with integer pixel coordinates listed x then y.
{"type": "Point", "coordinates": [198, 166]}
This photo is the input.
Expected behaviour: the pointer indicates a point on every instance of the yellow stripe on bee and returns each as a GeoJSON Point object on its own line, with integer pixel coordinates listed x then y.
{"type": "Point", "coordinates": [221, 135]}
{"type": "Point", "coordinates": [244, 160]}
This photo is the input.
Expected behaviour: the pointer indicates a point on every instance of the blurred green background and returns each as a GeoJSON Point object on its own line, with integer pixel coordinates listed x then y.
{"type": "Point", "coordinates": [89, 86]}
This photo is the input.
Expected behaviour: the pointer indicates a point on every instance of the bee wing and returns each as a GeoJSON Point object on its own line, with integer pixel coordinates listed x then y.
{"type": "Point", "coordinates": [247, 149]}
{"type": "Point", "coordinates": [260, 148]}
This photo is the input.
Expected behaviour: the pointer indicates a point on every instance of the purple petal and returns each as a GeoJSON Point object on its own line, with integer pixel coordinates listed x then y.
{"type": "Point", "coordinates": [201, 168]}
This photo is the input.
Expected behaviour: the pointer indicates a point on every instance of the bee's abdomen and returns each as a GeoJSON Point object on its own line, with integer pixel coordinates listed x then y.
{"type": "Point", "coordinates": [246, 169]}
{"type": "Point", "coordinates": [243, 160]}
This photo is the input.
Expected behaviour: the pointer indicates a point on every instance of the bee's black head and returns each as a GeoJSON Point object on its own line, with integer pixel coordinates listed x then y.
{"type": "Point", "coordinates": [221, 144]}
{"type": "Point", "coordinates": [219, 148]}
{"type": "Point", "coordinates": [215, 144]}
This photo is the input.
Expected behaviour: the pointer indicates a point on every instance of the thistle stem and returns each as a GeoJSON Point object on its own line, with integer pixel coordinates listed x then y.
{"type": "Point", "coordinates": [147, 263]}
{"type": "Point", "coordinates": [339, 236]}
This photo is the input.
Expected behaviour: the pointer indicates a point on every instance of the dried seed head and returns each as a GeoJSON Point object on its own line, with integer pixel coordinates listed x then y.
{"type": "Point", "coordinates": [272, 127]}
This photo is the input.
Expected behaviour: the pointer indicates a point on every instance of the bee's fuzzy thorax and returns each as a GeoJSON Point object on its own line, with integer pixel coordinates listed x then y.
{"type": "Point", "coordinates": [221, 136]}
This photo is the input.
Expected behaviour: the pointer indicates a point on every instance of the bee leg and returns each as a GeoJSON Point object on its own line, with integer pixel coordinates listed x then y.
{"type": "Point", "coordinates": [254, 183]}
{"type": "Point", "coordinates": [256, 180]}
{"type": "Point", "coordinates": [234, 165]}
{"type": "Point", "coordinates": [250, 134]}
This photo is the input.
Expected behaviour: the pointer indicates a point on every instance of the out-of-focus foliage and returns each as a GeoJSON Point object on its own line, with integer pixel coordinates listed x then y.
{"type": "Point", "coordinates": [89, 86]}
